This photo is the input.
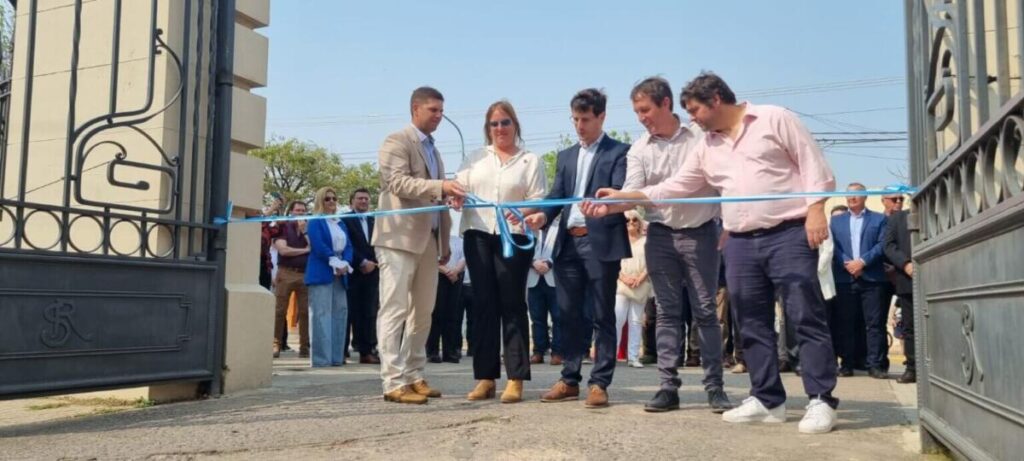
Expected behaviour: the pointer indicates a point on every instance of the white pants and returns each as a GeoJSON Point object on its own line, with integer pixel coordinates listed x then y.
{"type": "Point", "coordinates": [624, 307]}
{"type": "Point", "coordinates": [408, 286]}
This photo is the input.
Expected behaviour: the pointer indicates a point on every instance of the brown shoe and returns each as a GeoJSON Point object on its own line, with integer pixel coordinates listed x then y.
{"type": "Point", "coordinates": [277, 351]}
{"type": "Point", "coordinates": [536, 359]}
{"type": "Point", "coordinates": [561, 392]}
{"type": "Point", "coordinates": [513, 391]}
{"type": "Point", "coordinates": [484, 390]}
{"type": "Point", "coordinates": [369, 359]}
{"type": "Point", "coordinates": [405, 394]}
{"type": "Point", "coordinates": [556, 359]}
{"type": "Point", "coordinates": [596, 398]}
{"type": "Point", "coordinates": [422, 388]}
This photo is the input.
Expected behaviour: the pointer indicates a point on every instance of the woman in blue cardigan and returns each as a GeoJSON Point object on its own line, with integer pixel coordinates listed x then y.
{"type": "Point", "coordinates": [327, 269]}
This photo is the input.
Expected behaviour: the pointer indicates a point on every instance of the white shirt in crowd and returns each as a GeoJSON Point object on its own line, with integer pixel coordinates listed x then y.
{"type": "Point", "coordinates": [338, 242]}
{"type": "Point", "coordinates": [653, 159]}
{"type": "Point", "coordinates": [542, 252]}
{"type": "Point", "coordinates": [521, 178]}
{"type": "Point", "coordinates": [455, 243]}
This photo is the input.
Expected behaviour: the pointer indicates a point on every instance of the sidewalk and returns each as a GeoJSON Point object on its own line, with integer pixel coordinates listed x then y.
{"type": "Point", "coordinates": [338, 413]}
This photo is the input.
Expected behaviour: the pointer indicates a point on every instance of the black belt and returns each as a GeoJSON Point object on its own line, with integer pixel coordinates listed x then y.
{"type": "Point", "coordinates": [784, 225]}
{"type": "Point", "coordinates": [710, 222]}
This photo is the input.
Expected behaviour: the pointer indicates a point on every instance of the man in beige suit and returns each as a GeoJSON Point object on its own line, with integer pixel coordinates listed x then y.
{"type": "Point", "coordinates": [410, 247]}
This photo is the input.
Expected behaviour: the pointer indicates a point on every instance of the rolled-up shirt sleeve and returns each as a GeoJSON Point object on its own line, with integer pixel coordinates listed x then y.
{"type": "Point", "coordinates": [815, 174]}
{"type": "Point", "coordinates": [688, 180]}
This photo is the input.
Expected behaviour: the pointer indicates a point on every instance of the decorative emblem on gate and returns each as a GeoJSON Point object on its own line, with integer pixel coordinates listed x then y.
{"type": "Point", "coordinates": [969, 362]}
{"type": "Point", "coordinates": [61, 316]}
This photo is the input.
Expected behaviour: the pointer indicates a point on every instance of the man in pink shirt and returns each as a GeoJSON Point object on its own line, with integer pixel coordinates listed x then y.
{"type": "Point", "coordinates": [758, 150]}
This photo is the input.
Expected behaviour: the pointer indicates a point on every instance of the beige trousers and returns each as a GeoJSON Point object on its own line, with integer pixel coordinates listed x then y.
{"type": "Point", "coordinates": [408, 286]}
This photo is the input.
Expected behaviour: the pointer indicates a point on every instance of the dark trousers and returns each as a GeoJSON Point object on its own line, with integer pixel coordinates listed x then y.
{"type": "Point", "coordinates": [499, 286]}
{"type": "Point", "coordinates": [446, 321]}
{"type": "Point", "coordinates": [757, 265]}
{"type": "Point", "coordinates": [730, 330]}
{"type": "Point", "coordinates": [650, 321]}
{"type": "Point", "coordinates": [906, 304]}
{"type": "Point", "coordinates": [683, 266]}
{"type": "Point", "coordinates": [467, 310]}
{"type": "Point", "coordinates": [544, 303]}
{"type": "Point", "coordinates": [862, 299]}
{"type": "Point", "coordinates": [363, 303]}
{"type": "Point", "coordinates": [579, 274]}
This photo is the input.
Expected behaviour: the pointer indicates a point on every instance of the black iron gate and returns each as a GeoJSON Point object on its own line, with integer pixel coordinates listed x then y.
{"type": "Point", "coordinates": [111, 274]}
{"type": "Point", "coordinates": [966, 104]}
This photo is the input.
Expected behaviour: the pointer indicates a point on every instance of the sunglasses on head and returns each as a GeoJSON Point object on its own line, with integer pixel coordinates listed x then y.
{"type": "Point", "coordinates": [330, 199]}
{"type": "Point", "coordinates": [503, 122]}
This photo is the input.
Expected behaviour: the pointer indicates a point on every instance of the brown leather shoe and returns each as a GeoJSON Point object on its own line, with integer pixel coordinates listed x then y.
{"type": "Point", "coordinates": [596, 398]}
{"type": "Point", "coordinates": [422, 388]}
{"type": "Point", "coordinates": [556, 359]}
{"type": "Point", "coordinates": [277, 351]}
{"type": "Point", "coordinates": [561, 392]}
{"type": "Point", "coordinates": [484, 390]}
{"type": "Point", "coordinates": [536, 359]}
{"type": "Point", "coordinates": [405, 394]}
{"type": "Point", "coordinates": [513, 391]}
{"type": "Point", "coordinates": [369, 359]}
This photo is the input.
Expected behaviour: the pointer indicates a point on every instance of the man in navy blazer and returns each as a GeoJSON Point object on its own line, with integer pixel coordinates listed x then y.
{"type": "Point", "coordinates": [860, 282]}
{"type": "Point", "coordinates": [363, 291]}
{"type": "Point", "coordinates": [587, 251]}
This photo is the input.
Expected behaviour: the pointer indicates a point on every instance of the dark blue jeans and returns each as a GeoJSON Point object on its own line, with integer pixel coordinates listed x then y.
{"type": "Point", "coordinates": [758, 264]}
{"type": "Point", "coordinates": [862, 299]}
{"type": "Point", "coordinates": [543, 302]}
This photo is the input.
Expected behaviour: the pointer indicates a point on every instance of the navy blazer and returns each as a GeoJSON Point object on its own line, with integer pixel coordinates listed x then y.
{"type": "Point", "coordinates": [321, 248]}
{"type": "Point", "coordinates": [608, 236]}
{"type": "Point", "coordinates": [361, 249]}
{"type": "Point", "coordinates": [872, 246]}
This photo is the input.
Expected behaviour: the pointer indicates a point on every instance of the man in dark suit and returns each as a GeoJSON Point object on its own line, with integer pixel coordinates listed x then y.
{"type": "Point", "coordinates": [363, 291]}
{"type": "Point", "coordinates": [860, 282]}
{"type": "Point", "coordinates": [897, 252]}
{"type": "Point", "coordinates": [587, 251]}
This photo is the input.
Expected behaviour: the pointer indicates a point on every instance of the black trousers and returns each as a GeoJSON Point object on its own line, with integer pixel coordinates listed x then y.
{"type": "Point", "coordinates": [363, 303]}
{"type": "Point", "coordinates": [446, 321]}
{"type": "Point", "coordinates": [499, 306]}
{"type": "Point", "coordinates": [467, 310]}
{"type": "Point", "coordinates": [580, 275]}
{"type": "Point", "coordinates": [906, 304]}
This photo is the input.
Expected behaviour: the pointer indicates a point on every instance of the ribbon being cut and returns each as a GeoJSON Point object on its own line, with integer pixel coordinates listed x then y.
{"type": "Point", "coordinates": [472, 201]}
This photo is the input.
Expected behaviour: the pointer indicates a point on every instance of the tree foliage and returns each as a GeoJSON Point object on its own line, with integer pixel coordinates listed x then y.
{"type": "Point", "coordinates": [296, 169]}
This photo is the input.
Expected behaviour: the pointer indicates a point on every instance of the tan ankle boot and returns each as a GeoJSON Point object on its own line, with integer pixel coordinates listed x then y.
{"type": "Point", "coordinates": [513, 391]}
{"type": "Point", "coordinates": [484, 390]}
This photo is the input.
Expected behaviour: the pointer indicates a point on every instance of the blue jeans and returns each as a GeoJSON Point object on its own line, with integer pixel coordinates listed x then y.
{"type": "Point", "coordinates": [543, 302]}
{"type": "Point", "coordinates": [328, 320]}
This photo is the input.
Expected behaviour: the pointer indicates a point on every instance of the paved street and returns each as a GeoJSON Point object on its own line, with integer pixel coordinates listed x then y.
{"type": "Point", "coordinates": [339, 414]}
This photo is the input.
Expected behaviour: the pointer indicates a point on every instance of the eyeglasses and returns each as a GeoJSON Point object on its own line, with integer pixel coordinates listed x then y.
{"type": "Point", "coordinates": [330, 199]}
{"type": "Point", "coordinates": [632, 220]}
{"type": "Point", "coordinates": [503, 122]}
{"type": "Point", "coordinates": [895, 199]}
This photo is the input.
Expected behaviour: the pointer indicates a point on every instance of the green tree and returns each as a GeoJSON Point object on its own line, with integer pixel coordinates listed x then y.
{"type": "Point", "coordinates": [296, 169]}
{"type": "Point", "coordinates": [565, 142]}
{"type": "Point", "coordinates": [6, 40]}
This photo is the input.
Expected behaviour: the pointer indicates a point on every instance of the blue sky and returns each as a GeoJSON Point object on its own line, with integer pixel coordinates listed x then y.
{"type": "Point", "coordinates": [341, 72]}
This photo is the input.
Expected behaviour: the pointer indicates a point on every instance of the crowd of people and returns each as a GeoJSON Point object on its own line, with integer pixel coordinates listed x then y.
{"type": "Point", "coordinates": [761, 287]}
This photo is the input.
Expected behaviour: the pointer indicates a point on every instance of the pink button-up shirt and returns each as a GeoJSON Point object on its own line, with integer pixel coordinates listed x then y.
{"type": "Point", "coordinates": [774, 154]}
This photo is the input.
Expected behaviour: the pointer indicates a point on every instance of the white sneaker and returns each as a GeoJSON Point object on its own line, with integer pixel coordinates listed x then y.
{"type": "Point", "coordinates": [819, 419]}
{"type": "Point", "coordinates": [635, 364]}
{"type": "Point", "coordinates": [753, 411]}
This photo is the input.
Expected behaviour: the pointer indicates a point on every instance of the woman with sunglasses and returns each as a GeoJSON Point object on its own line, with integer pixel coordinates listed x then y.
{"type": "Point", "coordinates": [327, 269]}
{"type": "Point", "coordinates": [501, 172]}
{"type": "Point", "coordinates": [634, 288]}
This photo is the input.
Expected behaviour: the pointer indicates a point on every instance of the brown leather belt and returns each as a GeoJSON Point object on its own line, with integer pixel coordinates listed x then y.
{"type": "Point", "coordinates": [578, 231]}
{"type": "Point", "coordinates": [292, 269]}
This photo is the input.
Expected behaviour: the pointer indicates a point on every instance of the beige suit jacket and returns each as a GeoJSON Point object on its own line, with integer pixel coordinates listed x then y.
{"type": "Point", "coordinates": [405, 183]}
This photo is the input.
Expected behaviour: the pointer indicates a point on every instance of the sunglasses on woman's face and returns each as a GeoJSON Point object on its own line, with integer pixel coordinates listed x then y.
{"type": "Point", "coordinates": [503, 122]}
{"type": "Point", "coordinates": [633, 220]}
{"type": "Point", "coordinates": [330, 199]}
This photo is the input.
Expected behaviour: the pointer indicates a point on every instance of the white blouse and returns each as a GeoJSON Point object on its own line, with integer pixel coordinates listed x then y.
{"type": "Point", "coordinates": [338, 242]}
{"type": "Point", "coordinates": [521, 178]}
